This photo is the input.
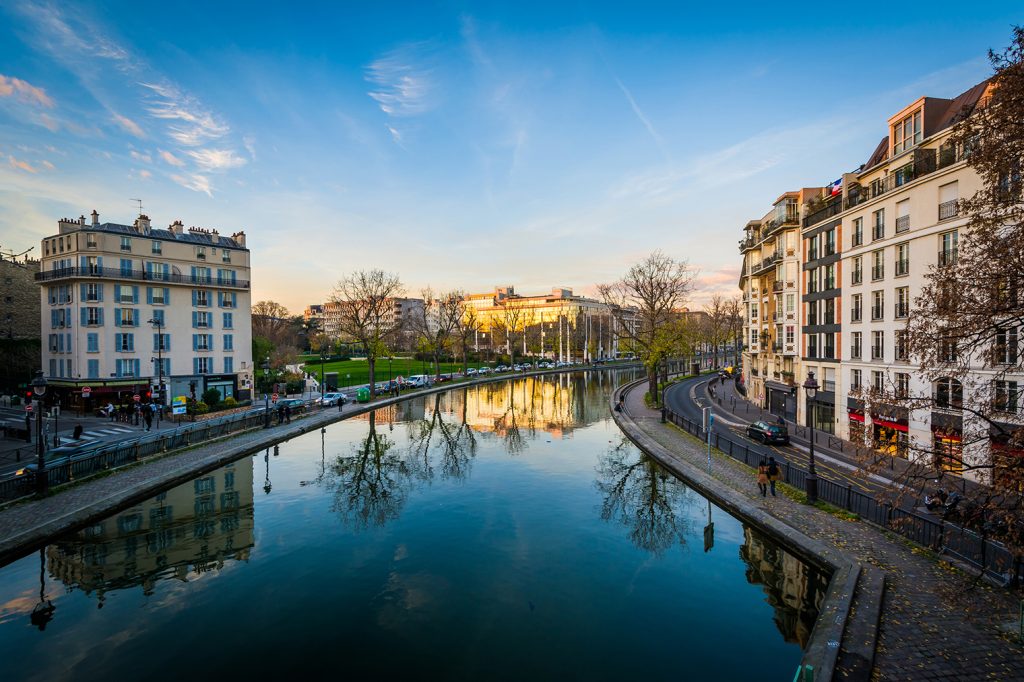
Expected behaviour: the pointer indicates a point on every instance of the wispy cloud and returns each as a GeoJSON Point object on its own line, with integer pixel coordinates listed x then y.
{"type": "Point", "coordinates": [24, 91]}
{"type": "Point", "coordinates": [144, 158]}
{"type": "Point", "coordinates": [402, 84]}
{"type": "Point", "coordinates": [129, 125]}
{"type": "Point", "coordinates": [145, 174]}
{"type": "Point", "coordinates": [216, 159]}
{"type": "Point", "coordinates": [21, 165]}
{"type": "Point", "coordinates": [194, 182]}
{"type": "Point", "coordinates": [658, 139]}
{"type": "Point", "coordinates": [190, 123]}
{"type": "Point", "coordinates": [171, 159]}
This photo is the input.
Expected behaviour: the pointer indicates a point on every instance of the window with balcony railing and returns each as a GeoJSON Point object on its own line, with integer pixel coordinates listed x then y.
{"type": "Point", "coordinates": [947, 257]}
{"type": "Point", "coordinates": [878, 226]}
{"type": "Point", "coordinates": [902, 267]}
{"type": "Point", "coordinates": [877, 272]}
{"type": "Point", "coordinates": [877, 352]}
{"type": "Point", "coordinates": [857, 276]}
{"type": "Point", "coordinates": [858, 232]}
{"type": "Point", "coordinates": [948, 209]}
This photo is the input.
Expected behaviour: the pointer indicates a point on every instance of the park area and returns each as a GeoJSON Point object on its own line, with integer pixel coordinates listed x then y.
{"type": "Point", "coordinates": [356, 372]}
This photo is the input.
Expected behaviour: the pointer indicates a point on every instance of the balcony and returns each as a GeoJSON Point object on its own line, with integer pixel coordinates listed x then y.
{"type": "Point", "coordinates": [777, 347]}
{"type": "Point", "coordinates": [135, 275]}
{"type": "Point", "coordinates": [902, 310]}
{"type": "Point", "coordinates": [902, 267]}
{"type": "Point", "coordinates": [857, 277]}
{"type": "Point", "coordinates": [747, 243]}
{"type": "Point", "coordinates": [877, 231]}
{"type": "Point", "coordinates": [834, 207]}
{"type": "Point", "coordinates": [877, 313]}
{"type": "Point", "coordinates": [877, 272]}
{"type": "Point", "coordinates": [948, 209]}
{"type": "Point", "coordinates": [777, 286]}
{"type": "Point", "coordinates": [877, 352]}
{"type": "Point", "coordinates": [766, 264]}
{"type": "Point", "coordinates": [947, 257]}
{"type": "Point", "coordinates": [902, 223]}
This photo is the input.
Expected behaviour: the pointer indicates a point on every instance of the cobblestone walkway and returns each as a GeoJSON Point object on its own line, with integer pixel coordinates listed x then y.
{"type": "Point", "coordinates": [936, 623]}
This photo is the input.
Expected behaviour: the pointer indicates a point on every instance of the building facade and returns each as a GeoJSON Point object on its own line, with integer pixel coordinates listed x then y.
{"type": "Point", "coordinates": [400, 313]}
{"type": "Point", "coordinates": [127, 309]}
{"type": "Point", "coordinates": [19, 322]}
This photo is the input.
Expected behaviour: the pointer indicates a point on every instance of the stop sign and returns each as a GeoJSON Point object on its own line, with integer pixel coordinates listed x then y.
{"type": "Point", "coordinates": [136, 397]}
{"type": "Point", "coordinates": [28, 407]}
{"type": "Point", "coordinates": [274, 397]}
{"type": "Point", "coordinates": [86, 391]}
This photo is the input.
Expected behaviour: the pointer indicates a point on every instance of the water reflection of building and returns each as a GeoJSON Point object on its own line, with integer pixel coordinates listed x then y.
{"type": "Point", "coordinates": [794, 588]}
{"type": "Point", "coordinates": [195, 527]}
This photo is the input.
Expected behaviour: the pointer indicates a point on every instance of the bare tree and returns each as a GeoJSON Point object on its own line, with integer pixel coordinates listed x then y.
{"type": "Point", "coordinates": [716, 324]}
{"type": "Point", "coordinates": [272, 321]}
{"type": "Point", "coordinates": [467, 327]}
{"type": "Point", "coordinates": [437, 322]}
{"type": "Point", "coordinates": [734, 322]}
{"type": "Point", "coordinates": [646, 303]}
{"type": "Point", "coordinates": [365, 302]}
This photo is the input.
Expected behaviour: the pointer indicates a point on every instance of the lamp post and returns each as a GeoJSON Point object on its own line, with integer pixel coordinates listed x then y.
{"type": "Point", "coordinates": [323, 358]}
{"type": "Point", "coordinates": [810, 390]}
{"type": "Point", "coordinates": [39, 390]}
{"type": "Point", "coordinates": [266, 394]}
{"type": "Point", "coordinates": [159, 324]}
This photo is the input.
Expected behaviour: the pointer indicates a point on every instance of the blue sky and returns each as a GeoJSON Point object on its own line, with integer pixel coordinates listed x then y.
{"type": "Point", "coordinates": [458, 144]}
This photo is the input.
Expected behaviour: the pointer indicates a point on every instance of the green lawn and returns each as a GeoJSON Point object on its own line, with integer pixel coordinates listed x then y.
{"type": "Point", "coordinates": [355, 372]}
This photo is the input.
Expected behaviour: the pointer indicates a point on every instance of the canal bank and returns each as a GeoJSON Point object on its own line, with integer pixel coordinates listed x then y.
{"type": "Point", "coordinates": [911, 616]}
{"type": "Point", "coordinates": [29, 524]}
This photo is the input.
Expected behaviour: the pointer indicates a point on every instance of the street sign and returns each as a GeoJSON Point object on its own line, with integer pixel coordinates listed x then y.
{"type": "Point", "coordinates": [86, 391]}
{"type": "Point", "coordinates": [28, 407]}
{"type": "Point", "coordinates": [273, 398]}
{"type": "Point", "coordinates": [178, 404]}
{"type": "Point", "coordinates": [137, 397]}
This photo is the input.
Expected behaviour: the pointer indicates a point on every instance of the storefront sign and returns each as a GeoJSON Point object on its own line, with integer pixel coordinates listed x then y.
{"type": "Point", "coordinates": [178, 405]}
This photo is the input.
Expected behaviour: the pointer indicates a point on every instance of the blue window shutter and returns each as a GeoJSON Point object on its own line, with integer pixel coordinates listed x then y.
{"type": "Point", "coordinates": [99, 317]}
{"type": "Point", "coordinates": [195, 365]}
{"type": "Point", "coordinates": [117, 293]}
{"type": "Point", "coordinates": [99, 291]}
{"type": "Point", "coordinates": [117, 317]}
{"type": "Point", "coordinates": [135, 294]}
{"type": "Point", "coordinates": [149, 270]}
{"type": "Point", "coordinates": [195, 296]}
{"type": "Point", "coordinates": [82, 262]}
{"type": "Point", "coordinates": [69, 343]}
{"type": "Point", "coordinates": [195, 320]}
{"type": "Point", "coordinates": [53, 319]}
{"type": "Point", "coordinates": [81, 291]}
{"type": "Point", "coordinates": [117, 342]}
{"type": "Point", "coordinates": [117, 366]}
{"type": "Point", "coordinates": [131, 342]}
{"type": "Point", "coordinates": [137, 364]}
{"type": "Point", "coordinates": [167, 296]}
{"type": "Point", "coordinates": [195, 342]}
{"type": "Point", "coordinates": [99, 262]}
{"type": "Point", "coordinates": [149, 295]}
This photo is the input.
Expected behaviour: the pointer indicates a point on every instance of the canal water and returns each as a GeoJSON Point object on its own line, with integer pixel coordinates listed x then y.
{"type": "Point", "coordinates": [503, 532]}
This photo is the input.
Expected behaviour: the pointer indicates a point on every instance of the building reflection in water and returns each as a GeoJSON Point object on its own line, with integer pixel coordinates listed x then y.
{"type": "Point", "coordinates": [193, 528]}
{"type": "Point", "coordinates": [794, 588]}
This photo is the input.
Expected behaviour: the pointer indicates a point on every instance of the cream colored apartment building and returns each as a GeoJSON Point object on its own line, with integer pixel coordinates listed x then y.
{"type": "Point", "coordinates": [124, 306]}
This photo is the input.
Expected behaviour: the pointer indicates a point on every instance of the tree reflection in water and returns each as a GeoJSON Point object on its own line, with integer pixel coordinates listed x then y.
{"type": "Point", "coordinates": [456, 443]}
{"type": "Point", "coordinates": [372, 484]}
{"type": "Point", "coordinates": [641, 495]}
{"type": "Point", "coordinates": [793, 588]}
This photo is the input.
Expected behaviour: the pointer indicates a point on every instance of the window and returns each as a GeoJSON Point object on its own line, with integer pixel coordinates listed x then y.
{"type": "Point", "coordinates": [158, 271]}
{"type": "Point", "coordinates": [790, 334]}
{"type": "Point", "coordinates": [878, 382]}
{"type": "Point", "coordinates": [229, 342]}
{"type": "Point", "coordinates": [90, 241]}
{"type": "Point", "coordinates": [948, 350]}
{"type": "Point", "coordinates": [948, 394]}
{"type": "Point", "coordinates": [828, 279]}
{"type": "Point", "coordinates": [226, 299]}
{"type": "Point", "coordinates": [225, 256]}
{"type": "Point", "coordinates": [856, 339]}
{"type": "Point", "coordinates": [93, 369]}
{"type": "Point", "coordinates": [877, 345]}
{"type": "Point", "coordinates": [1005, 349]}
{"type": "Point", "coordinates": [161, 342]}
{"type": "Point", "coordinates": [200, 275]}
{"type": "Point", "coordinates": [157, 295]}
{"type": "Point", "coordinates": [903, 215]}
{"type": "Point", "coordinates": [753, 337]}
{"type": "Point", "coordinates": [948, 247]}
{"type": "Point", "coordinates": [158, 318]}
{"type": "Point", "coordinates": [126, 243]}
{"type": "Point", "coordinates": [157, 248]}
{"type": "Point", "coordinates": [790, 303]}
{"type": "Point", "coordinates": [753, 312]}
{"type": "Point", "coordinates": [126, 294]}
{"type": "Point", "coordinates": [200, 319]}
{"type": "Point", "coordinates": [856, 308]}
{"type": "Point", "coordinates": [230, 277]}
{"type": "Point", "coordinates": [902, 259]}
{"type": "Point", "coordinates": [92, 317]}
{"type": "Point", "coordinates": [877, 265]}
{"type": "Point", "coordinates": [902, 346]}
{"type": "Point", "coordinates": [858, 271]}
{"type": "Point", "coordinates": [858, 232]}
{"type": "Point", "coordinates": [855, 380]}
{"type": "Point", "coordinates": [830, 311]}
{"type": "Point", "coordinates": [124, 343]}
{"type": "Point", "coordinates": [877, 305]}
{"type": "Point", "coordinates": [126, 267]}
{"type": "Point", "coordinates": [948, 195]}
{"type": "Point", "coordinates": [162, 366]}
{"type": "Point", "coordinates": [202, 342]}
{"type": "Point", "coordinates": [202, 365]}
{"type": "Point", "coordinates": [828, 350]}
{"type": "Point", "coordinates": [812, 312]}
{"type": "Point", "coordinates": [828, 243]}
{"type": "Point", "coordinates": [902, 384]}
{"type": "Point", "coordinates": [200, 297]}
{"type": "Point", "coordinates": [878, 225]}
{"type": "Point", "coordinates": [812, 345]}
{"type": "Point", "coordinates": [812, 248]}
{"type": "Point", "coordinates": [229, 365]}
{"type": "Point", "coordinates": [907, 133]}
{"type": "Point", "coordinates": [902, 302]}
{"type": "Point", "coordinates": [201, 253]}
{"type": "Point", "coordinates": [126, 317]}
{"type": "Point", "coordinates": [93, 292]}
{"type": "Point", "coordinates": [127, 367]}
{"type": "Point", "coordinates": [1006, 396]}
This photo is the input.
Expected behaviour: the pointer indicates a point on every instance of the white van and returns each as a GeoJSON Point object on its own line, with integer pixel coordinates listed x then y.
{"type": "Point", "coordinates": [419, 380]}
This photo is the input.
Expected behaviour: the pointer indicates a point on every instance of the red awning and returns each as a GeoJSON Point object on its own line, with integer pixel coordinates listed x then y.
{"type": "Point", "coordinates": [857, 417]}
{"type": "Point", "coordinates": [888, 424]}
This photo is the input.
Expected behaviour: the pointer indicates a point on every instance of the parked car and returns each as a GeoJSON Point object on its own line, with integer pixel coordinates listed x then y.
{"type": "Point", "coordinates": [471, 371]}
{"type": "Point", "coordinates": [484, 370]}
{"type": "Point", "coordinates": [768, 432]}
{"type": "Point", "coordinates": [293, 403]}
{"type": "Point", "coordinates": [333, 399]}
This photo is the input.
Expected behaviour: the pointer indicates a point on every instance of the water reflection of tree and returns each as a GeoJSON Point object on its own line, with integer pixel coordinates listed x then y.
{"type": "Point", "coordinates": [372, 484]}
{"type": "Point", "coordinates": [794, 588]}
{"type": "Point", "coordinates": [641, 495]}
{"type": "Point", "coordinates": [456, 444]}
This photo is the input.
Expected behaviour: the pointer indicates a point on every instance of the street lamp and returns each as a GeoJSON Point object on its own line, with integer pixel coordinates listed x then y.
{"type": "Point", "coordinates": [266, 395]}
{"type": "Point", "coordinates": [39, 389]}
{"type": "Point", "coordinates": [159, 324]}
{"type": "Point", "coordinates": [810, 389]}
{"type": "Point", "coordinates": [323, 357]}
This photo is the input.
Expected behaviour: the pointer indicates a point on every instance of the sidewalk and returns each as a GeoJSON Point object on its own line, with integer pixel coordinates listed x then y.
{"type": "Point", "coordinates": [934, 626]}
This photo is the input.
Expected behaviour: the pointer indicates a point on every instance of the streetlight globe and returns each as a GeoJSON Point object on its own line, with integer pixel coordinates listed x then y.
{"type": "Point", "coordinates": [39, 383]}
{"type": "Point", "coordinates": [811, 385]}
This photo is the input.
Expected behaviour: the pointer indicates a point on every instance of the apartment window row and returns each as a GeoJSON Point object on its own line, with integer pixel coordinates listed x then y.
{"type": "Point", "coordinates": [821, 312]}
{"type": "Point", "coordinates": [60, 295]}
{"type": "Point", "coordinates": [821, 346]}
{"type": "Point", "coordinates": [59, 343]}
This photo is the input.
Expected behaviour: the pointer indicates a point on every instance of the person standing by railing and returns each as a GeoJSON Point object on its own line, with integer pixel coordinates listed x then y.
{"type": "Point", "coordinates": [762, 478]}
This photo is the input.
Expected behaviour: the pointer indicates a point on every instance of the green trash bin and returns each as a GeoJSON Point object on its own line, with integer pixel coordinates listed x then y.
{"type": "Point", "coordinates": [363, 395]}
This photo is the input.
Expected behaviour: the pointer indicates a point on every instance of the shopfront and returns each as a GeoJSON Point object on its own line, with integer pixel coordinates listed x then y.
{"type": "Point", "coordinates": [226, 384]}
{"type": "Point", "coordinates": [781, 400]}
{"type": "Point", "coordinates": [1006, 443]}
{"type": "Point", "coordinates": [947, 442]}
{"type": "Point", "coordinates": [823, 412]}
{"type": "Point", "coordinates": [889, 430]}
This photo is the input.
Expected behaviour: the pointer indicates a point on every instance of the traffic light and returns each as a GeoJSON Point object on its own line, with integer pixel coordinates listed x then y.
{"type": "Point", "coordinates": [149, 394]}
{"type": "Point", "coordinates": [28, 396]}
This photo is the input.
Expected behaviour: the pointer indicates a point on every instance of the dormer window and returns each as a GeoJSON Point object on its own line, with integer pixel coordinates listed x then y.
{"type": "Point", "coordinates": [201, 252]}
{"type": "Point", "coordinates": [907, 133]}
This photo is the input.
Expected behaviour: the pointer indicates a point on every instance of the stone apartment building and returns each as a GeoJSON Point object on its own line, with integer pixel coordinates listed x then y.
{"type": "Point", "coordinates": [126, 305]}
{"type": "Point", "coordinates": [866, 246]}
{"type": "Point", "coordinates": [19, 321]}
{"type": "Point", "coordinates": [404, 311]}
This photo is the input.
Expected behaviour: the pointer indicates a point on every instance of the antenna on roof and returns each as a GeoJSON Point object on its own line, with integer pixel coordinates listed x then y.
{"type": "Point", "coordinates": [140, 204]}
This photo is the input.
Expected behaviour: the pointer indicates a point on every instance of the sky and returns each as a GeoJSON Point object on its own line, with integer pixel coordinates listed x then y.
{"type": "Point", "coordinates": [461, 145]}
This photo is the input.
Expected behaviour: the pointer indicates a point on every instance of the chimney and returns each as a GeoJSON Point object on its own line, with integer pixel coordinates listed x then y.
{"type": "Point", "coordinates": [142, 223]}
{"type": "Point", "coordinates": [81, 220]}
{"type": "Point", "coordinates": [239, 237]}
{"type": "Point", "coordinates": [95, 218]}
{"type": "Point", "coordinates": [177, 227]}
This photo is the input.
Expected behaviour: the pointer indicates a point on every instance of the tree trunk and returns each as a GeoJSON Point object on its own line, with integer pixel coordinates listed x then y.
{"type": "Point", "coordinates": [652, 383]}
{"type": "Point", "coordinates": [370, 363]}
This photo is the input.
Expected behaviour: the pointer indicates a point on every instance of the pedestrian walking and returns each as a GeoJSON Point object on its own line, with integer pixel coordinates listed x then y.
{"type": "Point", "coordinates": [137, 412]}
{"type": "Point", "coordinates": [280, 414]}
{"type": "Point", "coordinates": [288, 413]}
{"type": "Point", "coordinates": [148, 416]}
{"type": "Point", "coordinates": [773, 473]}
{"type": "Point", "coordinates": [762, 478]}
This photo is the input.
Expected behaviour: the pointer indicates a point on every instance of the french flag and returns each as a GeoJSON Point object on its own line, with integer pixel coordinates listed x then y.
{"type": "Point", "coordinates": [836, 187]}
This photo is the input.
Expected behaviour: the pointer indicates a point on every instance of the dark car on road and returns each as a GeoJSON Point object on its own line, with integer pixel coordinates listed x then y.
{"type": "Point", "coordinates": [769, 432]}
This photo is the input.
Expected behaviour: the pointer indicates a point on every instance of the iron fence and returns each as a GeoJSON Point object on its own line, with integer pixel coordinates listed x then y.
{"type": "Point", "coordinates": [967, 545]}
